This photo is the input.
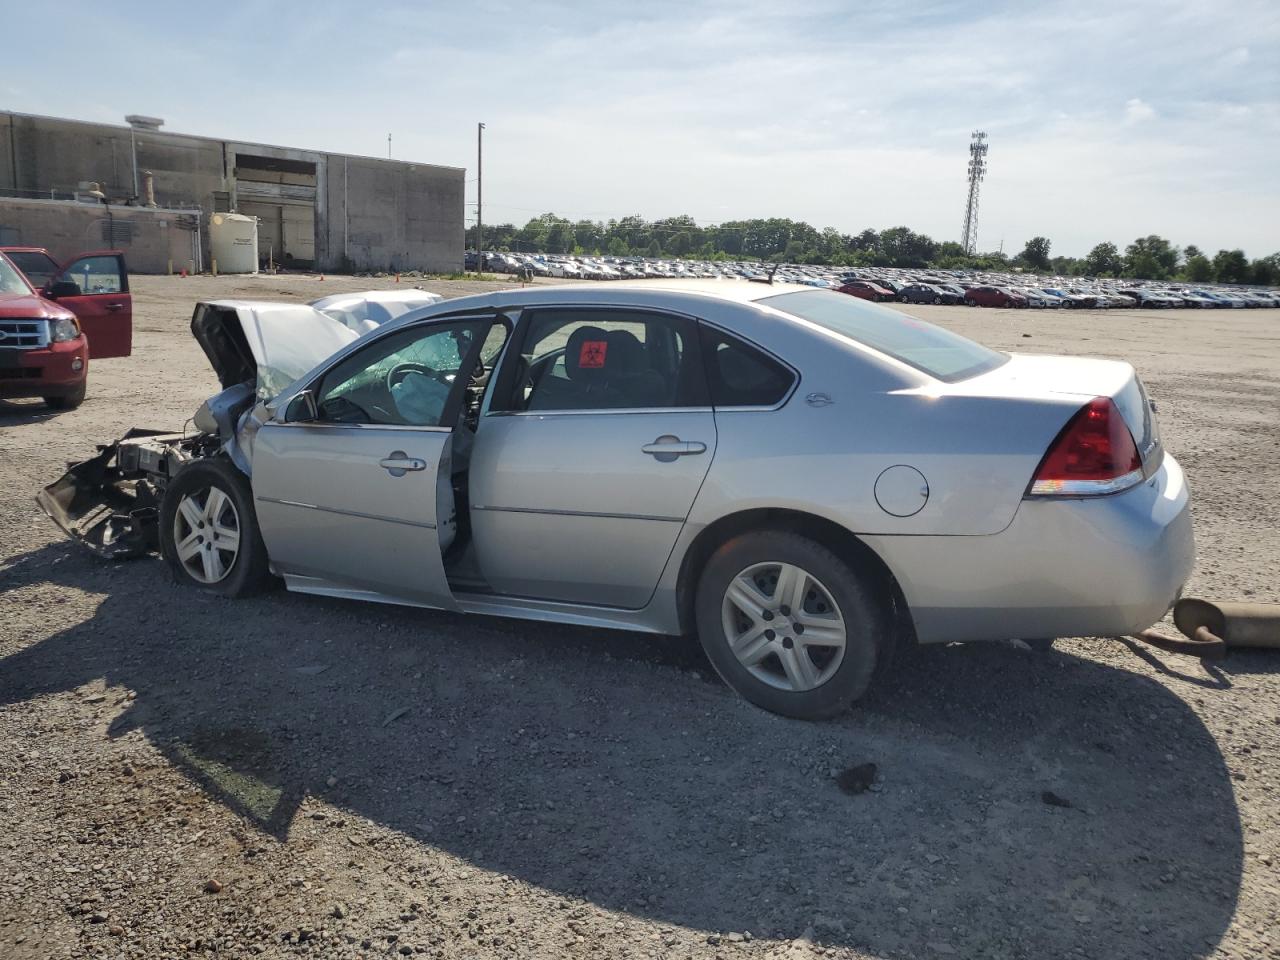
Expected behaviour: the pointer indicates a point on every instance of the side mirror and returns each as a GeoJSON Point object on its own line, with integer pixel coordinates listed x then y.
{"type": "Point", "coordinates": [62, 288]}
{"type": "Point", "coordinates": [302, 408]}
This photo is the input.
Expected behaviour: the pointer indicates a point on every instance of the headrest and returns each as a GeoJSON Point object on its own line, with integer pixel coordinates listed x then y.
{"type": "Point", "coordinates": [586, 355]}
{"type": "Point", "coordinates": [626, 352]}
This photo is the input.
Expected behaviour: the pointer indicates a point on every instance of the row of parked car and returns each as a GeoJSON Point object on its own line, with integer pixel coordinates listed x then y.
{"type": "Point", "coordinates": [907, 286]}
{"type": "Point", "coordinates": [1062, 295]}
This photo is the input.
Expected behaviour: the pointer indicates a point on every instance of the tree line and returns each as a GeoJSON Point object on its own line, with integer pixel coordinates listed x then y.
{"type": "Point", "coordinates": [794, 241]}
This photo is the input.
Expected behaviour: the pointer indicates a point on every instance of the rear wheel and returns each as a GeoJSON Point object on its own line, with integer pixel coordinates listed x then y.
{"type": "Point", "coordinates": [937, 300]}
{"type": "Point", "coordinates": [209, 532]}
{"type": "Point", "coordinates": [68, 401]}
{"type": "Point", "coordinates": [789, 625]}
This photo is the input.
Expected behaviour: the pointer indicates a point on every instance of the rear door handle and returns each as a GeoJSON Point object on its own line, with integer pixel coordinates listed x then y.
{"type": "Point", "coordinates": [399, 463]}
{"type": "Point", "coordinates": [668, 448]}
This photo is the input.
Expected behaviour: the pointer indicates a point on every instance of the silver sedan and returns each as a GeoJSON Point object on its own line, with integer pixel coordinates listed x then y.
{"type": "Point", "coordinates": [802, 479]}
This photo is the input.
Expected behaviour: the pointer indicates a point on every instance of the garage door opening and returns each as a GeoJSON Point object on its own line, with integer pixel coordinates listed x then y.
{"type": "Point", "coordinates": [281, 193]}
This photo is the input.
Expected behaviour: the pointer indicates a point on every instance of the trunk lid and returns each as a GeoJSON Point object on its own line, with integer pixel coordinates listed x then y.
{"type": "Point", "coordinates": [1037, 377]}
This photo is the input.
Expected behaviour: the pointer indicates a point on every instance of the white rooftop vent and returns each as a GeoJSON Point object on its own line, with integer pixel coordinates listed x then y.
{"type": "Point", "coordinates": [139, 122]}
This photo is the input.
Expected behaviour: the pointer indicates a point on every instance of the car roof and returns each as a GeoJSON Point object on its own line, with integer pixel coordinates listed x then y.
{"type": "Point", "coordinates": [734, 291]}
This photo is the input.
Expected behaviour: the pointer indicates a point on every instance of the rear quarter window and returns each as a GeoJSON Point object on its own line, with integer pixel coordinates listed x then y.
{"type": "Point", "coordinates": [740, 375]}
{"type": "Point", "coordinates": [931, 349]}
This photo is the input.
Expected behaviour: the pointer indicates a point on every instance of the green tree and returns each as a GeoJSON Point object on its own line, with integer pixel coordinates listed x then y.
{"type": "Point", "coordinates": [1197, 269]}
{"type": "Point", "coordinates": [559, 237]}
{"type": "Point", "coordinates": [1036, 253]}
{"type": "Point", "coordinates": [1266, 272]}
{"type": "Point", "coordinates": [1231, 266]}
{"type": "Point", "coordinates": [904, 248]}
{"type": "Point", "coordinates": [1150, 258]}
{"type": "Point", "coordinates": [654, 249]}
{"type": "Point", "coordinates": [1104, 260]}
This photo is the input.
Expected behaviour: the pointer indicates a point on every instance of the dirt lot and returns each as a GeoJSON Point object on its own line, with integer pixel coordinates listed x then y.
{"type": "Point", "coordinates": [181, 774]}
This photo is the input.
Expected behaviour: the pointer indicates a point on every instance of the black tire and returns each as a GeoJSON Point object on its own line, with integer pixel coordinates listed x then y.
{"type": "Point", "coordinates": [248, 569]}
{"type": "Point", "coordinates": [904, 298]}
{"type": "Point", "coordinates": [937, 300]}
{"type": "Point", "coordinates": [68, 401]}
{"type": "Point", "coordinates": [970, 303]}
{"type": "Point", "coordinates": [866, 622]}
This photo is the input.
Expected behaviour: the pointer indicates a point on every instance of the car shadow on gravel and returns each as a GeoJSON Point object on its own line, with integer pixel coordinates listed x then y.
{"type": "Point", "coordinates": [19, 414]}
{"type": "Point", "coordinates": [1027, 804]}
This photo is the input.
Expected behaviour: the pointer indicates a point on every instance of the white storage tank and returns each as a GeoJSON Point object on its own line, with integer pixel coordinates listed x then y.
{"type": "Point", "coordinates": [233, 239]}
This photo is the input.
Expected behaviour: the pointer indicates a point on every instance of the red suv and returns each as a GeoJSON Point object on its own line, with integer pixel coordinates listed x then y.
{"type": "Point", "coordinates": [47, 337]}
{"type": "Point", "coordinates": [993, 297]}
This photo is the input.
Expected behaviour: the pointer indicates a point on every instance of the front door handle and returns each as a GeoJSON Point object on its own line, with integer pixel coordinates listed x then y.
{"type": "Point", "coordinates": [668, 448]}
{"type": "Point", "coordinates": [400, 463]}
{"type": "Point", "coordinates": [114, 307]}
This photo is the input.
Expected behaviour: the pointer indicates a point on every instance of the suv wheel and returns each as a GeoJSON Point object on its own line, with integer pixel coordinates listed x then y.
{"type": "Point", "coordinates": [68, 401]}
{"type": "Point", "coordinates": [209, 532]}
{"type": "Point", "coordinates": [789, 625]}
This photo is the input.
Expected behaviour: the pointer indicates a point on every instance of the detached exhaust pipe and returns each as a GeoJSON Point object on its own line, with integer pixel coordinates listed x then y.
{"type": "Point", "coordinates": [1238, 624]}
{"type": "Point", "coordinates": [1211, 628]}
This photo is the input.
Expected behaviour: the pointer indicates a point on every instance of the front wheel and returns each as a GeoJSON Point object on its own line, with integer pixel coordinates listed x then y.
{"type": "Point", "coordinates": [68, 401]}
{"type": "Point", "coordinates": [789, 625]}
{"type": "Point", "coordinates": [937, 300]}
{"type": "Point", "coordinates": [904, 298]}
{"type": "Point", "coordinates": [209, 531]}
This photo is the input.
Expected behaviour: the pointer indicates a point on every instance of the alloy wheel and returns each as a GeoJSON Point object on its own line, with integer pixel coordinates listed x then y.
{"type": "Point", "coordinates": [206, 534]}
{"type": "Point", "coordinates": [784, 626]}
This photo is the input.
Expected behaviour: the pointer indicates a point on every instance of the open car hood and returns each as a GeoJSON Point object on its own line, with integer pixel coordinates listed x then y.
{"type": "Point", "coordinates": [273, 344]}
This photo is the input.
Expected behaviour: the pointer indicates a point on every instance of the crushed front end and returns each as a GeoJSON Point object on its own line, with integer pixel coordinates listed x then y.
{"type": "Point", "coordinates": [110, 502]}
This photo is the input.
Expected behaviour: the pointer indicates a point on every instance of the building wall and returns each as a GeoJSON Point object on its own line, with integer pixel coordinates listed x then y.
{"type": "Point", "coordinates": [368, 214]}
{"type": "Point", "coordinates": [393, 216]}
{"type": "Point", "coordinates": [150, 239]}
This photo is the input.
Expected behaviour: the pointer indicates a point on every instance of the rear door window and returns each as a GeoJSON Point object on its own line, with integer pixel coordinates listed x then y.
{"type": "Point", "coordinates": [606, 359]}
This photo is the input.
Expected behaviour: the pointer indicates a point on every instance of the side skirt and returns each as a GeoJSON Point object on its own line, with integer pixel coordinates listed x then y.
{"type": "Point", "coordinates": [523, 608]}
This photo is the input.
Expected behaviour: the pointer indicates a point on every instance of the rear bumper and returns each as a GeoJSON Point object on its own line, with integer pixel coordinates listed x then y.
{"type": "Point", "coordinates": [47, 372]}
{"type": "Point", "coordinates": [1100, 567]}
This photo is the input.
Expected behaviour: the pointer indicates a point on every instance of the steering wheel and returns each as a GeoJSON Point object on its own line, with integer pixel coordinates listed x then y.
{"type": "Point", "coordinates": [400, 370]}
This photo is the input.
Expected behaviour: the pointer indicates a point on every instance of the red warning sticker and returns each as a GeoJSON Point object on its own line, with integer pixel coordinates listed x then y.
{"type": "Point", "coordinates": [593, 353]}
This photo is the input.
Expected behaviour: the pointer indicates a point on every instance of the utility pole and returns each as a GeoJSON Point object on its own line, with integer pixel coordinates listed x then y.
{"type": "Point", "coordinates": [480, 198]}
{"type": "Point", "coordinates": [388, 146]}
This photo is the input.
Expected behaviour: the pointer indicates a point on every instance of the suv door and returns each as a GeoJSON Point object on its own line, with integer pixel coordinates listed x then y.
{"type": "Point", "coordinates": [95, 287]}
{"type": "Point", "coordinates": [361, 496]}
{"type": "Point", "coordinates": [596, 440]}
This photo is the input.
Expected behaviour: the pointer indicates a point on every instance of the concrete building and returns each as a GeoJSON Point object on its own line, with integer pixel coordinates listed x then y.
{"type": "Point", "coordinates": [327, 211]}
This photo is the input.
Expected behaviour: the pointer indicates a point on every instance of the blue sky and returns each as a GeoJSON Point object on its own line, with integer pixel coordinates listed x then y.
{"type": "Point", "coordinates": [1107, 119]}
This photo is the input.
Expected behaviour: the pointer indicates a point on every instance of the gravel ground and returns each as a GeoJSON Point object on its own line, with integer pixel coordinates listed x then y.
{"type": "Point", "coordinates": [292, 776]}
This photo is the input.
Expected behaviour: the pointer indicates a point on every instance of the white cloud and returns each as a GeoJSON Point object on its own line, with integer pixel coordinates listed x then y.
{"type": "Point", "coordinates": [849, 115]}
{"type": "Point", "coordinates": [1137, 111]}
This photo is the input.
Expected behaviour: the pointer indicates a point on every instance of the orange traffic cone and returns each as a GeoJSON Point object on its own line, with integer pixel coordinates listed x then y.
{"type": "Point", "coordinates": [397, 278]}
{"type": "Point", "coordinates": [322, 276]}
{"type": "Point", "coordinates": [184, 272]}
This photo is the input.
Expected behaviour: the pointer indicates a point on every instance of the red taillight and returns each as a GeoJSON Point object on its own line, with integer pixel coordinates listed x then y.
{"type": "Point", "coordinates": [1094, 454]}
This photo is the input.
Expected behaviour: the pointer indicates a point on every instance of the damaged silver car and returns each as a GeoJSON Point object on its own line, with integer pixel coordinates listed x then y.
{"type": "Point", "coordinates": [803, 479]}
